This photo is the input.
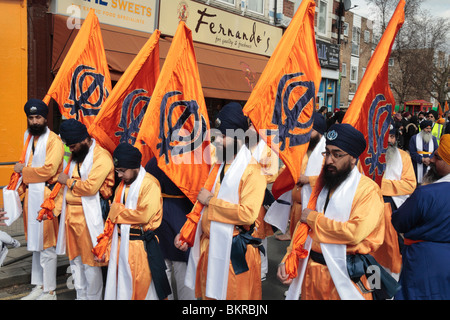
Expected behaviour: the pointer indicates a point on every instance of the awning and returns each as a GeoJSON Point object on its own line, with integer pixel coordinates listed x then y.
{"type": "Point", "coordinates": [224, 73]}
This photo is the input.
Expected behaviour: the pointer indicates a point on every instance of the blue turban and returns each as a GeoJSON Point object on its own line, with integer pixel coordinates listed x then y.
{"type": "Point", "coordinates": [36, 107]}
{"type": "Point", "coordinates": [231, 116]}
{"type": "Point", "coordinates": [73, 131]}
{"type": "Point", "coordinates": [320, 125]}
{"type": "Point", "coordinates": [426, 123]}
{"type": "Point", "coordinates": [127, 156]}
{"type": "Point", "coordinates": [347, 138]}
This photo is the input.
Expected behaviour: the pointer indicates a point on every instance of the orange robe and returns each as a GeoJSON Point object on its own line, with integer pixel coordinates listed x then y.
{"type": "Point", "coordinates": [148, 216]}
{"type": "Point", "coordinates": [362, 233]}
{"type": "Point", "coordinates": [101, 178]}
{"type": "Point", "coordinates": [388, 255]}
{"type": "Point", "coordinates": [247, 285]}
{"type": "Point", "coordinates": [47, 173]}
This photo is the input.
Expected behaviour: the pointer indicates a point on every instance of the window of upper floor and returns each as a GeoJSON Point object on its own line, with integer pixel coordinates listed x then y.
{"type": "Point", "coordinates": [356, 36]}
{"type": "Point", "coordinates": [256, 6]}
{"type": "Point", "coordinates": [322, 17]}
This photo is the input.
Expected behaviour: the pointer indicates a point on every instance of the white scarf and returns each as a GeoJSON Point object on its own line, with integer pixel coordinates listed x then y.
{"type": "Point", "coordinates": [339, 209]}
{"type": "Point", "coordinates": [91, 206]}
{"type": "Point", "coordinates": [221, 234]}
{"type": "Point", "coordinates": [35, 229]}
{"type": "Point", "coordinates": [419, 147]}
{"type": "Point", "coordinates": [313, 168]}
{"type": "Point", "coordinates": [443, 179]}
{"type": "Point", "coordinates": [393, 171]}
{"type": "Point", "coordinates": [279, 212]}
{"type": "Point", "coordinates": [119, 284]}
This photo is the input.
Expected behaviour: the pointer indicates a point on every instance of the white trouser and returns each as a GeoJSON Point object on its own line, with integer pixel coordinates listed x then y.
{"type": "Point", "coordinates": [43, 269]}
{"type": "Point", "coordinates": [88, 280]}
{"type": "Point", "coordinates": [264, 260]}
{"type": "Point", "coordinates": [178, 269]}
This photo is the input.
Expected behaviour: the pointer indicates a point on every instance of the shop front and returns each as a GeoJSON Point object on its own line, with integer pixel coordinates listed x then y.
{"type": "Point", "coordinates": [231, 50]}
{"type": "Point", "coordinates": [328, 94]}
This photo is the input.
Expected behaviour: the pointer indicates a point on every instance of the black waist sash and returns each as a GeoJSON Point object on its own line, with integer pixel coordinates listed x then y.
{"type": "Point", "coordinates": [239, 249]}
{"type": "Point", "coordinates": [357, 266]}
{"type": "Point", "coordinates": [155, 261]}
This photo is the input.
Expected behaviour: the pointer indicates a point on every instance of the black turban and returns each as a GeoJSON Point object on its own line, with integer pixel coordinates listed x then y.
{"type": "Point", "coordinates": [320, 124]}
{"type": "Point", "coordinates": [36, 107]}
{"type": "Point", "coordinates": [426, 123]}
{"type": "Point", "coordinates": [73, 131]}
{"type": "Point", "coordinates": [347, 138]}
{"type": "Point", "coordinates": [231, 117]}
{"type": "Point", "coordinates": [434, 113]}
{"type": "Point", "coordinates": [127, 156]}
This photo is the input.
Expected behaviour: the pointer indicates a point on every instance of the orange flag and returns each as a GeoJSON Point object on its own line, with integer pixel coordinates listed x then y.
{"type": "Point", "coordinates": [120, 117]}
{"type": "Point", "coordinates": [176, 121]}
{"type": "Point", "coordinates": [446, 108]}
{"type": "Point", "coordinates": [371, 109]}
{"type": "Point", "coordinates": [440, 112]}
{"type": "Point", "coordinates": [283, 101]}
{"type": "Point", "coordinates": [83, 81]}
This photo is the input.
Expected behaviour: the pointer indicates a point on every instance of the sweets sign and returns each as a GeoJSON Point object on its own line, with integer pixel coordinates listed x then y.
{"type": "Point", "coordinates": [136, 14]}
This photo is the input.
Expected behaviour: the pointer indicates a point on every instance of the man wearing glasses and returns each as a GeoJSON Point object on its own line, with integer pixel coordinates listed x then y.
{"type": "Point", "coordinates": [436, 128]}
{"type": "Point", "coordinates": [347, 222]}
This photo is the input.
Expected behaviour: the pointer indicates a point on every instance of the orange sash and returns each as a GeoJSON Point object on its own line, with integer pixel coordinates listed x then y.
{"type": "Point", "coordinates": [15, 176]}
{"type": "Point", "coordinates": [301, 234]}
{"type": "Point", "coordinates": [187, 233]}
{"type": "Point", "coordinates": [103, 240]}
{"type": "Point", "coordinates": [49, 204]}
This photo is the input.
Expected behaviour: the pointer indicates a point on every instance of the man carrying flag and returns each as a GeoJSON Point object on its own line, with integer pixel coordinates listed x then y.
{"type": "Point", "coordinates": [370, 114]}
{"type": "Point", "coordinates": [83, 81]}
{"type": "Point", "coordinates": [136, 269]}
{"type": "Point", "coordinates": [90, 177]}
{"type": "Point", "coordinates": [282, 103]}
{"type": "Point", "coordinates": [345, 214]}
{"type": "Point", "coordinates": [231, 208]}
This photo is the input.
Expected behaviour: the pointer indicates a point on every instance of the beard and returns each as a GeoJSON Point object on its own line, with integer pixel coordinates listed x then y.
{"type": "Point", "coordinates": [226, 153]}
{"type": "Point", "coordinates": [426, 136]}
{"type": "Point", "coordinates": [391, 152]}
{"type": "Point", "coordinates": [79, 155]}
{"type": "Point", "coordinates": [37, 129]}
{"type": "Point", "coordinates": [431, 175]}
{"type": "Point", "coordinates": [334, 179]}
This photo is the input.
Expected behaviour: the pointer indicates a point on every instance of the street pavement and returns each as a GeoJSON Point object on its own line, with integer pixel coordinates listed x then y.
{"type": "Point", "coordinates": [15, 274]}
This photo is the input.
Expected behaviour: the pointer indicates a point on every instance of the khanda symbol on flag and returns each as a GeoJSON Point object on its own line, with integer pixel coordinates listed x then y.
{"type": "Point", "coordinates": [380, 112]}
{"type": "Point", "coordinates": [184, 136]}
{"type": "Point", "coordinates": [286, 118]}
{"type": "Point", "coordinates": [87, 92]}
{"type": "Point", "coordinates": [82, 83]}
{"type": "Point", "coordinates": [131, 115]}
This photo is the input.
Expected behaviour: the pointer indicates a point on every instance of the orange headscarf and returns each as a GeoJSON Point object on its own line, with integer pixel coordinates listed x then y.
{"type": "Point", "coordinates": [444, 148]}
